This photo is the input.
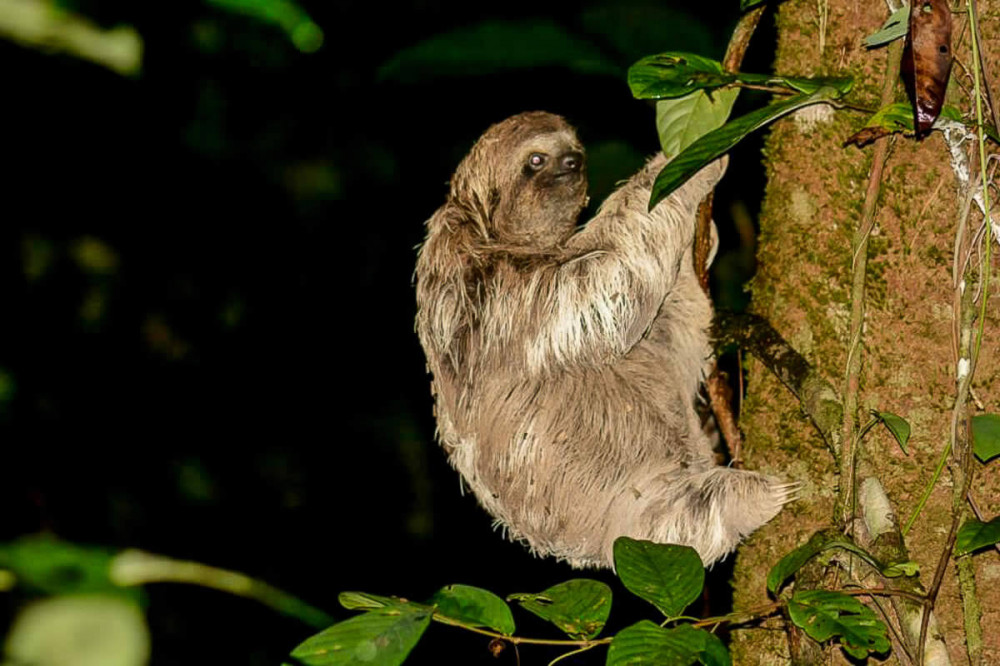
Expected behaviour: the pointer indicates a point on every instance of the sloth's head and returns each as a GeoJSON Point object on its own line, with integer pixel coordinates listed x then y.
{"type": "Point", "coordinates": [524, 181]}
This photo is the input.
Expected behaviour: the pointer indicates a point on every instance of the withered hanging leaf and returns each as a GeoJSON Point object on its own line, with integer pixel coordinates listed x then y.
{"type": "Point", "coordinates": [927, 60]}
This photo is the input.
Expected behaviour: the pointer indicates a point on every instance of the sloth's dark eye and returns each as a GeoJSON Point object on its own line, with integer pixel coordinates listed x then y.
{"type": "Point", "coordinates": [536, 161]}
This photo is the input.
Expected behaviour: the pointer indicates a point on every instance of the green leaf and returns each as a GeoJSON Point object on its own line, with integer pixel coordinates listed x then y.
{"type": "Point", "coordinates": [975, 534]}
{"type": "Point", "coordinates": [50, 566]}
{"type": "Point", "coordinates": [817, 543]}
{"type": "Point", "coordinates": [722, 140]}
{"type": "Point", "coordinates": [986, 436]}
{"type": "Point", "coordinates": [579, 607]}
{"type": "Point", "coordinates": [675, 74]}
{"type": "Point", "coordinates": [495, 46]}
{"type": "Point", "coordinates": [897, 569]}
{"type": "Point", "coordinates": [896, 26]}
{"type": "Point", "coordinates": [475, 607]}
{"type": "Point", "coordinates": [365, 601]}
{"type": "Point", "coordinates": [666, 575]}
{"type": "Point", "coordinates": [647, 643]}
{"type": "Point", "coordinates": [382, 637]}
{"type": "Point", "coordinates": [898, 117]}
{"type": "Point", "coordinates": [747, 4]}
{"type": "Point", "coordinates": [287, 15]}
{"type": "Point", "coordinates": [897, 425]}
{"type": "Point", "coordinates": [682, 120]}
{"type": "Point", "coordinates": [824, 615]}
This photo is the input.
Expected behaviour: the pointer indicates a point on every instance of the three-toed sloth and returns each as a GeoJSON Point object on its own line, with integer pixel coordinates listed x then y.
{"type": "Point", "coordinates": [566, 363]}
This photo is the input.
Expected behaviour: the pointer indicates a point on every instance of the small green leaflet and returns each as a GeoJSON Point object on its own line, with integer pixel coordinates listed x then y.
{"type": "Point", "coordinates": [907, 568]}
{"type": "Point", "coordinates": [896, 26]}
{"type": "Point", "coordinates": [898, 117]}
{"type": "Point", "coordinates": [579, 607]}
{"type": "Point", "coordinates": [473, 606]}
{"type": "Point", "coordinates": [986, 436]}
{"type": "Point", "coordinates": [824, 615]}
{"type": "Point", "coordinates": [747, 4]}
{"type": "Point", "coordinates": [896, 425]}
{"type": "Point", "coordinates": [668, 576]}
{"type": "Point", "coordinates": [714, 144]}
{"type": "Point", "coordinates": [974, 534]}
{"type": "Point", "coordinates": [817, 543]}
{"type": "Point", "coordinates": [647, 644]}
{"type": "Point", "coordinates": [382, 637]}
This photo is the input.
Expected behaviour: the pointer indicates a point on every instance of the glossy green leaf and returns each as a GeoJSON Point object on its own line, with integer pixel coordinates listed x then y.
{"type": "Point", "coordinates": [382, 637]}
{"type": "Point", "coordinates": [986, 436]}
{"type": "Point", "coordinates": [666, 575]}
{"type": "Point", "coordinates": [287, 15]}
{"type": "Point", "coordinates": [819, 542]}
{"type": "Point", "coordinates": [896, 425]}
{"type": "Point", "coordinates": [681, 121]}
{"type": "Point", "coordinates": [676, 74]}
{"type": "Point", "coordinates": [717, 143]}
{"type": "Point", "coordinates": [897, 569]}
{"type": "Point", "coordinates": [975, 534]}
{"type": "Point", "coordinates": [896, 26]}
{"type": "Point", "coordinates": [824, 615]}
{"type": "Point", "coordinates": [50, 566]}
{"type": "Point", "coordinates": [494, 46]}
{"type": "Point", "coordinates": [648, 644]}
{"type": "Point", "coordinates": [579, 607]}
{"type": "Point", "coordinates": [475, 607]}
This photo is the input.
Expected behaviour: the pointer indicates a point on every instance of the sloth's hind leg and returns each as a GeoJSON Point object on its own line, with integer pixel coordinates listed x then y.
{"type": "Point", "coordinates": [711, 510]}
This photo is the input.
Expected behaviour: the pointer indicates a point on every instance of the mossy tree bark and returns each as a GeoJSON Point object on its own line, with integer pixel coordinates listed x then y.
{"type": "Point", "coordinates": [812, 209]}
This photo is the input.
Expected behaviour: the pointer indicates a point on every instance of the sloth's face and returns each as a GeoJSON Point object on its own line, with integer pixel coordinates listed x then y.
{"type": "Point", "coordinates": [547, 189]}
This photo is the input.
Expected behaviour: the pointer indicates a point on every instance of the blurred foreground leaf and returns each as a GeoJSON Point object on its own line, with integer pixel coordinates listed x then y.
{"type": "Point", "coordinates": [289, 16]}
{"type": "Point", "coordinates": [79, 631]}
{"type": "Point", "coordinates": [42, 25]}
{"type": "Point", "coordinates": [493, 46]}
{"type": "Point", "coordinates": [47, 565]}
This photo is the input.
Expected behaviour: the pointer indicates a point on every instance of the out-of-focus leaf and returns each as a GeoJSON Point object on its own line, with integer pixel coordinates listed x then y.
{"type": "Point", "coordinates": [647, 644]}
{"type": "Point", "coordinates": [285, 14]}
{"type": "Point", "coordinates": [716, 143]}
{"type": "Point", "coordinates": [747, 4]}
{"type": "Point", "coordinates": [635, 28]}
{"type": "Point", "coordinates": [896, 425]}
{"type": "Point", "coordinates": [493, 46]}
{"type": "Point", "coordinates": [683, 120]}
{"type": "Point", "coordinates": [50, 566]}
{"type": "Point", "coordinates": [896, 26]}
{"type": "Point", "coordinates": [817, 543]}
{"type": "Point", "coordinates": [44, 26]}
{"type": "Point", "coordinates": [79, 630]}
{"type": "Point", "coordinates": [986, 436]}
{"type": "Point", "coordinates": [666, 575]}
{"type": "Point", "coordinates": [579, 607]}
{"type": "Point", "coordinates": [824, 615]}
{"type": "Point", "coordinates": [475, 607]}
{"type": "Point", "coordinates": [927, 60]}
{"type": "Point", "coordinates": [381, 637]}
{"type": "Point", "coordinates": [975, 534]}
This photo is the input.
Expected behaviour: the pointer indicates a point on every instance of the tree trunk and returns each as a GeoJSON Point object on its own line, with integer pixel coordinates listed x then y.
{"type": "Point", "coordinates": [908, 348]}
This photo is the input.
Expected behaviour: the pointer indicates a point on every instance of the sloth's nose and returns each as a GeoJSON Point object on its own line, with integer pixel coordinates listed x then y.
{"type": "Point", "coordinates": [572, 161]}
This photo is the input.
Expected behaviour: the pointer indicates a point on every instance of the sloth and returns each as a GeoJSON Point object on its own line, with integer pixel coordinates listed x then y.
{"type": "Point", "coordinates": [567, 362]}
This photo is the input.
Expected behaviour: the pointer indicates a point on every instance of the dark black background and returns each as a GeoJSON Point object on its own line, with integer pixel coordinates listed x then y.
{"type": "Point", "coordinates": [246, 388]}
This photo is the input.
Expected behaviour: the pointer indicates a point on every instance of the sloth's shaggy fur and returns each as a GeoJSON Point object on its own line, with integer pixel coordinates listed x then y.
{"type": "Point", "coordinates": [566, 362]}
